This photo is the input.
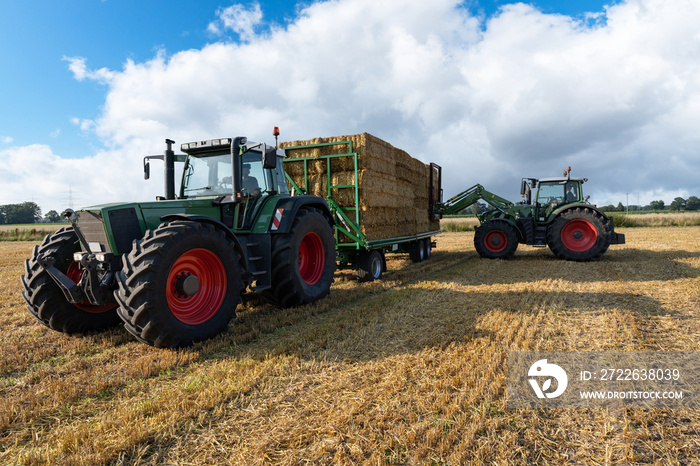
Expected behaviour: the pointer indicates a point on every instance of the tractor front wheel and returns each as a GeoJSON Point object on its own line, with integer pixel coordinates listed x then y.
{"type": "Point", "coordinates": [578, 235]}
{"type": "Point", "coordinates": [495, 240]}
{"type": "Point", "coordinates": [180, 284]}
{"type": "Point", "coordinates": [46, 301]}
{"type": "Point", "coordinates": [303, 261]}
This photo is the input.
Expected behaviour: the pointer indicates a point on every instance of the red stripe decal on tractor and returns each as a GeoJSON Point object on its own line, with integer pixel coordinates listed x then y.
{"type": "Point", "coordinates": [278, 218]}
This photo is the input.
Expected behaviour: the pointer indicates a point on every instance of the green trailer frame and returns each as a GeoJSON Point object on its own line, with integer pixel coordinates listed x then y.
{"type": "Point", "coordinates": [349, 219]}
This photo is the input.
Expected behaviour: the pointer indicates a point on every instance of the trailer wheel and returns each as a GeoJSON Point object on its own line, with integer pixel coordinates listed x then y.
{"type": "Point", "coordinates": [428, 248]}
{"type": "Point", "coordinates": [578, 235]}
{"type": "Point", "coordinates": [416, 251]}
{"type": "Point", "coordinates": [180, 284]}
{"type": "Point", "coordinates": [495, 240]}
{"type": "Point", "coordinates": [370, 265]}
{"type": "Point", "coordinates": [46, 301]}
{"type": "Point", "coordinates": [303, 261]}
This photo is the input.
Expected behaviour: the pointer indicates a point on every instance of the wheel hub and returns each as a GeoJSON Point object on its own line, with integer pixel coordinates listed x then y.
{"type": "Point", "coordinates": [187, 285]}
{"type": "Point", "coordinates": [578, 234]}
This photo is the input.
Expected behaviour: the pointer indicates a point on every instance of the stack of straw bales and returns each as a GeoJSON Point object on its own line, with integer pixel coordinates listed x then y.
{"type": "Point", "coordinates": [393, 186]}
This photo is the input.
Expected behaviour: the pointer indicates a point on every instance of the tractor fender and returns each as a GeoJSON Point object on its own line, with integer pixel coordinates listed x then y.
{"type": "Point", "coordinates": [291, 205]}
{"type": "Point", "coordinates": [217, 224]}
{"type": "Point", "coordinates": [563, 209]}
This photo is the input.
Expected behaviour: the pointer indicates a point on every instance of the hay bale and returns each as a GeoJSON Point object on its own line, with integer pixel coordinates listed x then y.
{"type": "Point", "coordinates": [393, 186]}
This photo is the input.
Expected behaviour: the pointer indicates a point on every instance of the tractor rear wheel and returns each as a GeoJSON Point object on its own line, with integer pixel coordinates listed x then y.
{"type": "Point", "coordinates": [370, 265]}
{"type": "Point", "coordinates": [46, 301]}
{"type": "Point", "coordinates": [180, 284]}
{"type": "Point", "coordinates": [495, 240]}
{"type": "Point", "coordinates": [578, 235]}
{"type": "Point", "coordinates": [303, 261]}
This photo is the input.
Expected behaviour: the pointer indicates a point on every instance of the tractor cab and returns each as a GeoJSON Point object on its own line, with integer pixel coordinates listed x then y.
{"type": "Point", "coordinates": [552, 193]}
{"type": "Point", "coordinates": [239, 174]}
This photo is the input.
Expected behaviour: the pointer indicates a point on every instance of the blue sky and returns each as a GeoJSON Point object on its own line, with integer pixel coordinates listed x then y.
{"type": "Point", "coordinates": [40, 95]}
{"type": "Point", "coordinates": [523, 87]}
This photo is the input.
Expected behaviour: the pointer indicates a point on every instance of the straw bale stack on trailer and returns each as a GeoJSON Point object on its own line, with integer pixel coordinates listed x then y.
{"type": "Point", "coordinates": [393, 186]}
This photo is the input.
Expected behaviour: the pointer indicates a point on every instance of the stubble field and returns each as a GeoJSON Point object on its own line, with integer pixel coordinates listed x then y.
{"type": "Point", "coordinates": [408, 370]}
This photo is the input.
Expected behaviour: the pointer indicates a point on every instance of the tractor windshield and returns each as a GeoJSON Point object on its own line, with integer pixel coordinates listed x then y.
{"type": "Point", "coordinates": [550, 193]}
{"type": "Point", "coordinates": [207, 176]}
{"type": "Point", "coordinates": [212, 175]}
{"type": "Point", "coordinates": [558, 192]}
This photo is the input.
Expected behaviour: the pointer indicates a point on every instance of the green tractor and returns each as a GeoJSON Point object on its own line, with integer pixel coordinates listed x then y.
{"type": "Point", "coordinates": [174, 270]}
{"type": "Point", "coordinates": [559, 217]}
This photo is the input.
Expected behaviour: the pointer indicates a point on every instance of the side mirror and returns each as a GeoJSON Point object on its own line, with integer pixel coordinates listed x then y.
{"type": "Point", "coordinates": [269, 157]}
{"type": "Point", "coordinates": [146, 170]}
{"type": "Point", "coordinates": [523, 187]}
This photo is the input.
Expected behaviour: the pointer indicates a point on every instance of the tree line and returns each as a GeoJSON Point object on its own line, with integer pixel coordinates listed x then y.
{"type": "Point", "coordinates": [26, 212]}
{"type": "Point", "coordinates": [678, 204]}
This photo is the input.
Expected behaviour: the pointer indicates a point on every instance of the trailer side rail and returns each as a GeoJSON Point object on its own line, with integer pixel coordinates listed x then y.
{"type": "Point", "coordinates": [348, 225]}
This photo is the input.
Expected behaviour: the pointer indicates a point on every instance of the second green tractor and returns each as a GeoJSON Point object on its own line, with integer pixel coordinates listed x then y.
{"type": "Point", "coordinates": [553, 213]}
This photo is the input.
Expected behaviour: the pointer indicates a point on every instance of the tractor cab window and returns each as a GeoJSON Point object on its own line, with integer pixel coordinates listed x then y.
{"type": "Point", "coordinates": [256, 183]}
{"type": "Point", "coordinates": [550, 193]}
{"type": "Point", "coordinates": [207, 176]}
{"type": "Point", "coordinates": [253, 179]}
{"type": "Point", "coordinates": [571, 192]}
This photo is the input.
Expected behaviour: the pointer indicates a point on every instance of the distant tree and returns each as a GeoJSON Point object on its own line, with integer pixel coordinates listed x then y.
{"type": "Point", "coordinates": [693, 203]}
{"type": "Point", "coordinates": [620, 207]}
{"type": "Point", "coordinates": [481, 207]}
{"type": "Point", "coordinates": [52, 217]}
{"type": "Point", "coordinates": [608, 208]}
{"type": "Point", "coordinates": [678, 204]}
{"type": "Point", "coordinates": [657, 205]}
{"type": "Point", "coordinates": [27, 212]}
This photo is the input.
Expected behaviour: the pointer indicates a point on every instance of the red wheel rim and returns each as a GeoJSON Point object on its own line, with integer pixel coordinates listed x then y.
{"type": "Point", "coordinates": [207, 299]}
{"type": "Point", "coordinates": [579, 235]}
{"type": "Point", "coordinates": [75, 273]}
{"type": "Point", "coordinates": [495, 241]}
{"type": "Point", "coordinates": [312, 258]}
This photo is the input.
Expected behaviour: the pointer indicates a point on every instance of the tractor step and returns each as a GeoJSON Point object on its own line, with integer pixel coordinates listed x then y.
{"type": "Point", "coordinates": [257, 249]}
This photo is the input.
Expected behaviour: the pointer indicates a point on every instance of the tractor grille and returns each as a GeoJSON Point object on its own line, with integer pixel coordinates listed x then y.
{"type": "Point", "coordinates": [123, 222]}
{"type": "Point", "coordinates": [92, 228]}
{"type": "Point", "coordinates": [125, 228]}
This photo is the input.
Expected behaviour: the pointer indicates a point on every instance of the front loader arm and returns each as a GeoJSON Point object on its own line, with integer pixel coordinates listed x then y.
{"type": "Point", "coordinates": [471, 196]}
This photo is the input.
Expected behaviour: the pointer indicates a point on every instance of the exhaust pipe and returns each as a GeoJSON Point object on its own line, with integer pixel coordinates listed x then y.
{"type": "Point", "coordinates": [169, 160]}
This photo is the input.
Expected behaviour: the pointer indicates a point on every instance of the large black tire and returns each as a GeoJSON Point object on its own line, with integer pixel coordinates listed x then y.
{"type": "Point", "coordinates": [416, 251]}
{"type": "Point", "coordinates": [428, 248]}
{"type": "Point", "coordinates": [370, 265]}
{"type": "Point", "coordinates": [46, 301]}
{"type": "Point", "coordinates": [161, 303]}
{"type": "Point", "coordinates": [303, 261]}
{"type": "Point", "coordinates": [578, 234]}
{"type": "Point", "coordinates": [495, 240]}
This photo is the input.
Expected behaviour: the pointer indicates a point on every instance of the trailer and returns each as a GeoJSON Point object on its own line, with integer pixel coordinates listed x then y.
{"type": "Point", "coordinates": [378, 208]}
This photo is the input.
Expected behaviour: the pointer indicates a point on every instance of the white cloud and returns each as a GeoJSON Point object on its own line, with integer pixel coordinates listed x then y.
{"type": "Point", "coordinates": [37, 172]}
{"type": "Point", "coordinates": [7, 139]}
{"type": "Point", "coordinates": [238, 19]}
{"type": "Point", "coordinates": [525, 94]}
{"type": "Point", "coordinates": [78, 66]}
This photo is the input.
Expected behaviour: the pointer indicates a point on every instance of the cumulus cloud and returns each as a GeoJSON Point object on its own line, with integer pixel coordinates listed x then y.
{"type": "Point", "coordinates": [523, 94]}
{"type": "Point", "coordinates": [238, 19]}
{"type": "Point", "coordinates": [78, 66]}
